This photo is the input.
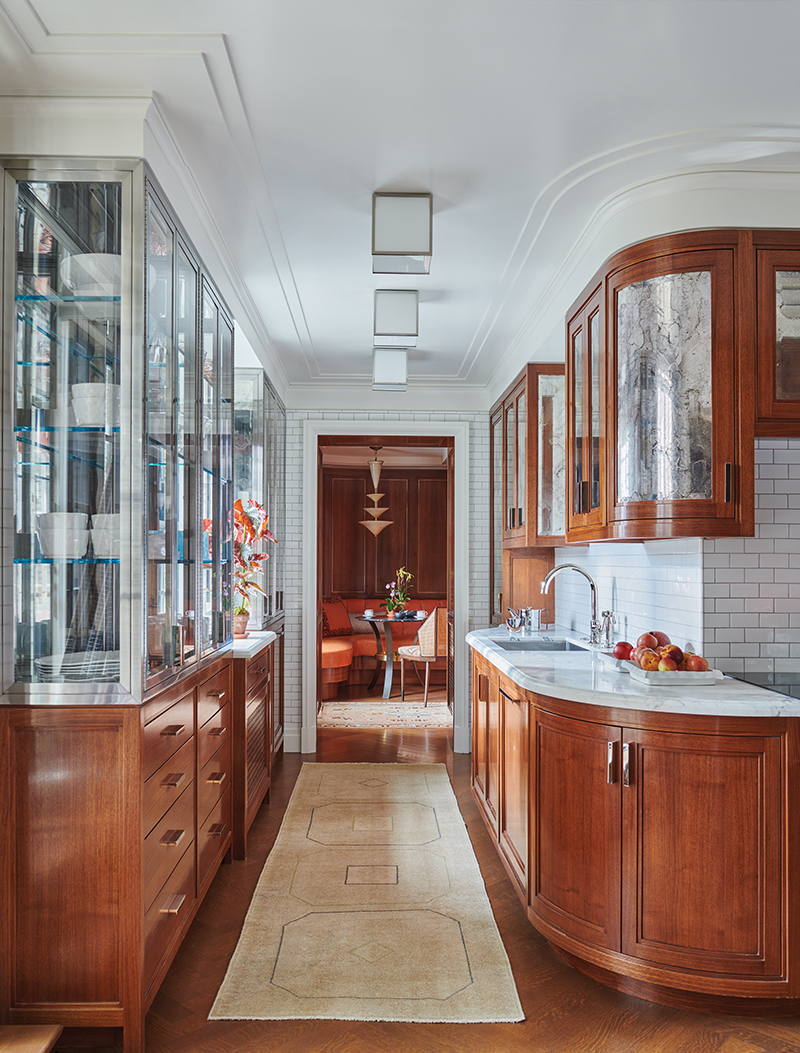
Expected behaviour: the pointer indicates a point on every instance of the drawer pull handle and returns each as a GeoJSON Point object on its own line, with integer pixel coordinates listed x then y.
{"type": "Point", "coordinates": [626, 764]}
{"type": "Point", "coordinates": [172, 838]}
{"type": "Point", "coordinates": [172, 904]}
{"type": "Point", "coordinates": [263, 669]}
{"type": "Point", "coordinates": [216, 694]}
{"type": "Point", "coordinates": [173, 729]}
{"type": "Point", "coordinates": [611, 775]}
{"type": "Point", "coordinates": [216, 777]}
{"type": "Point", "coordinates": [174, 778]}
{"type": "Point", "coordinates": [217, 830]}
{"type": "Point", "coordinates": [216, 732]}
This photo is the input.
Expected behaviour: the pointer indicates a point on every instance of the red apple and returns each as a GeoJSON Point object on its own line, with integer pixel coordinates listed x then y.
{"type": "Point", "coordinates": [667, 665]}
{"type": "Point", "coordinates": [661, 638]}
{"type": "Point", "coordinates": [647, 640]}
{"type": "Point", "coordinates": [622, 650]}
{"type": "Point", "coordinates": [695, 663]}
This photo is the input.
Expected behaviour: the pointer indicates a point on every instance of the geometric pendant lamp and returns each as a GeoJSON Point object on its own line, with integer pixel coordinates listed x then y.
{"type": "Point", "coordinates": [402, 233]}
{"type": "Point", "coordinates": [376, 524]}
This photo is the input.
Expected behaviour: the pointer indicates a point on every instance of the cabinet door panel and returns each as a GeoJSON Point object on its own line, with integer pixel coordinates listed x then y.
{"type": "Point", "coordinates": [515, 791]}
{"type": "Point", "coordinates": [576, 832]}
{"type": "Point", "coordinates": [486, 739]}
{"type": "Point", "coordinates": [778, 298]}
{"type": "Point", "coordinates": [702, 852]}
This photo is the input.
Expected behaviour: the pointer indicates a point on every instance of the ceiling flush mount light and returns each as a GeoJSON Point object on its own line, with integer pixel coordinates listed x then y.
{"type": "Point", "coordinates": [389, 370]}
{"type": "Point", "coordinates": [402, 233]}
{"type": "Point", "coordinates": [375, 525]}
{"type": "Point", "coordinates": [396, 317]}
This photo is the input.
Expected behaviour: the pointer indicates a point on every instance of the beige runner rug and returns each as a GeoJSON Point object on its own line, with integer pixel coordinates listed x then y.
{"type": "Point", "coordinates": [370, 906]}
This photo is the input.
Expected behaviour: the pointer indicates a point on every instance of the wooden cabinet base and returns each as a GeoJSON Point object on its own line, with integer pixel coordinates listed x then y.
{"type": "Point", "coordinates": [692, 1001]}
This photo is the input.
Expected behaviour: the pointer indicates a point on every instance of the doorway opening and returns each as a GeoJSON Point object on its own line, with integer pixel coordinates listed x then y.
{"type": "Point", "coordinates": [359, 671]}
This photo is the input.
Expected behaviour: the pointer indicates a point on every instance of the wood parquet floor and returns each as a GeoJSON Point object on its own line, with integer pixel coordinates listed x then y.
{"type": "Point", "coordinates": [565, 1011]}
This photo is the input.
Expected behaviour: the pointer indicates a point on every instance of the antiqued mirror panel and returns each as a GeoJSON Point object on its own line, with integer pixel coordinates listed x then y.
{"type": "Point", "coordinates": [664, 406]}
{"type": "Point", "coordinates": [787, 335]}
{"type": "Point", "coordinates": [552, 466]}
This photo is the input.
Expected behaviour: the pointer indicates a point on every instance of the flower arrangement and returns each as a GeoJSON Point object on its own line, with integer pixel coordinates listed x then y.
{"type": "Point", "coordinates": [398, 591]}
{"type": "Point", "coordinates": [249, 527]}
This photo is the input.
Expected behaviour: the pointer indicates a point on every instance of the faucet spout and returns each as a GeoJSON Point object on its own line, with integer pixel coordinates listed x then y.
{"type": "Point", "coordinates": [594, 633]}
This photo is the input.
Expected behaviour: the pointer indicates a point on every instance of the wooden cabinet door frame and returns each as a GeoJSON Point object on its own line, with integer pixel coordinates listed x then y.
{"type": "Point", "coordinates": [513, 835]}
{"type": "Point", "coordinates": [667, 818]}
{"type": "Point", "coordinates": [775, 251]}
{"type": "Point", "coordinates": [723, 504]}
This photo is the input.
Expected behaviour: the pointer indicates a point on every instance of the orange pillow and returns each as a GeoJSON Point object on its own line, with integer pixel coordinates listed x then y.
{"type": "Point", "coordinates": [335, 618]}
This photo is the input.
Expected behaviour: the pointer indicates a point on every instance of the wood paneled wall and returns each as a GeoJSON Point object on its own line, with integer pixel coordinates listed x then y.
{"type": "Point", "coordinates": [354, 562]}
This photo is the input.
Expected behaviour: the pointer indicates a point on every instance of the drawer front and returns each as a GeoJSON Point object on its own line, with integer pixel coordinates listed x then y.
{"type": "Point", "coordinates": [213, 733]}
{"type": "Point", "coordinates": [257, 671]}
{"type": "Point", "coordinates": [165, 918]}
{"type": "Point", "coordinates": [213, 695]}
{"type": "Point", "coordinates": [164, 735]}
{"type": "Point", "coordinates": [212, 835]}
{"type": "Point", "coordinates": [214, 780]}
{"type": "Point", "coordinates": [165, 844]}
{"type": "Point", "coordinates": [164, 787]}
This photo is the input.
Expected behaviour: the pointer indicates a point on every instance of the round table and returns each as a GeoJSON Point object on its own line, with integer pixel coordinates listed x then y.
{"type": "Point", "coordinates": [387, 652]}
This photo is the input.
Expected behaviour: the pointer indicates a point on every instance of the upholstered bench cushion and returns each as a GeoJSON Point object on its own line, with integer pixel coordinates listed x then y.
{"type": "Point", "coordinates": [336, 653]}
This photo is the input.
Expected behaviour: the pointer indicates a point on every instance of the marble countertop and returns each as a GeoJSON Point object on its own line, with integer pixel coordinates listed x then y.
{"type": "Point", "coordinates": [582, 676]}
{"type": "Point", "coordinates": [252, 644]}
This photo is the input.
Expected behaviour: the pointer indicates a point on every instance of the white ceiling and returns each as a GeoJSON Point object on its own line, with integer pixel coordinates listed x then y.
{"type": "Point", "coordinates": [532, 122]}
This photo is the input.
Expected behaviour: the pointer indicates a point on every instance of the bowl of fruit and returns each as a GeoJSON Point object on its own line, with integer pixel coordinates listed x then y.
{"type": "Point", "coordinates": [654, 659]}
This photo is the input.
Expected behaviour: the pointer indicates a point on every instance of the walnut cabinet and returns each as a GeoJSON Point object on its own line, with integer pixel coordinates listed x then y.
{"type": "Point", "coordinates": [656, 852]}
{"type": "Point", "coordinates": [252, 738]}
{"type": "Point", "coordinates": [117, 818]}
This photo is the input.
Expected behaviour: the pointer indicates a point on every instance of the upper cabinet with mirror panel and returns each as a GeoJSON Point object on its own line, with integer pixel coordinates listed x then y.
{"type": "Point", "coordinates": [118, 351]}
{"type": "Point", "coordinates": [667, 362]}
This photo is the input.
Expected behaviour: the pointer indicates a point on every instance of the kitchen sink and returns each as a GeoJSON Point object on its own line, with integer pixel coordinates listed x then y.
{"type": "Point", "coordinates": [539, 645]}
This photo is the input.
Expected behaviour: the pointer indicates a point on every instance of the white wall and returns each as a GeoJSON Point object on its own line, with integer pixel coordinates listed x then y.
{"type": "Point", "coordinates": [295, 527]}
{"type": "Point", "coordinates": [736, 599]}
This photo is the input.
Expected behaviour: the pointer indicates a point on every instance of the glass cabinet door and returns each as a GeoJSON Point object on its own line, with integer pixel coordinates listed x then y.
{"type": "Point", "coordinates": [778, 321]}
{"type": "Point", "coordinates": [67, 283]}
{"type": "Point", "coordinates": [249, 391]}
{"type": "Point", "coordinates": [216, 505]}
{"type": "Point", "coordinates": [586, 417]}
{"type": "Point", "coordinates": [498, 516]}
{"type": "Point", "coordinates": [551, 455]}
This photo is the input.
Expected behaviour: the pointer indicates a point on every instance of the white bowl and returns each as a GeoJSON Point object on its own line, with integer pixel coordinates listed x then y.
{"type": "Point", "coordinates": [105, 544]}
{"type": "Point", "coordinates": [93, 270]}
{"type": "Point", "coordinates": [106, 521]}
{"type": "Point", "coordinates": [63, 520]}
{"type": "Point", "coordinates": [57, 544]}
{"type": "Point", "coordinates": [93, 410]}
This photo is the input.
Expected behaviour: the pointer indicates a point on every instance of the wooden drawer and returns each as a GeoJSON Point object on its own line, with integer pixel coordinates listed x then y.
{"type": "Point", "coordinates": [213, 835]}
{"type": "Point", "coordinates": [163, 788]}
{"type": "Point", "coordinates": [213, 695]}
{"type": "Point", "coordinates": [164, 919]}
{"type": "Point", "coordinates": [213, 733]}
{"type": "Point", "coordinates": [258, 669]}
{"type": "Point", "coordinates": [164, 735]}
{"type": "Point", "coordinates": [213, 781]}
{"type": "Point", "coordinates": [166, 843]}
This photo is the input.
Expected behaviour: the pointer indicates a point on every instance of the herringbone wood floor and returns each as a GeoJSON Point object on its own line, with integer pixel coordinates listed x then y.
{"type": "Point", "coordinates": [565, 1012]}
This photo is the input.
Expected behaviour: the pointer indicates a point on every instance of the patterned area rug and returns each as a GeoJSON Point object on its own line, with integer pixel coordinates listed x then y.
{"type": "Point", "coordinates": [377, 713]}
{"type": "Point", "coordinates": [370, 906]}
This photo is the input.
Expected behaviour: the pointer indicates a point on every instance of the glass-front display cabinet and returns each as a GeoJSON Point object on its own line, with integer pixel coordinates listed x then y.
{"type": "Point", "coordinates": [118, 358]}
{"type": "Point", "coordinates": [778, 333]}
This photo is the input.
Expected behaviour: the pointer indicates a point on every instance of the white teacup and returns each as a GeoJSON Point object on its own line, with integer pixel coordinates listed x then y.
{"type": "Point", "coordinates": [369, 613]}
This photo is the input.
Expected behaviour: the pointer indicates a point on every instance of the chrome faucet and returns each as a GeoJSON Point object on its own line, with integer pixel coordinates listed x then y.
{"type": "Point", "coordinates": [595, 630]}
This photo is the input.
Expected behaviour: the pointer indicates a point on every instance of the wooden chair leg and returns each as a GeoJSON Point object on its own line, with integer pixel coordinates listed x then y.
{"type": "Point", "coordinates": [427, 675]}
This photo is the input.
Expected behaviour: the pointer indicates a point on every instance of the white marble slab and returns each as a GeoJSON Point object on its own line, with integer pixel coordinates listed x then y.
{"type": "Point", "coordinates": [581, 676]}
{"type": "Point", "coordinates": [252, 644]}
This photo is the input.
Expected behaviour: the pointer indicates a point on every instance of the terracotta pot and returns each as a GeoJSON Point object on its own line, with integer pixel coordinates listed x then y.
{"type": "Point", "coordinates": [240, 624]}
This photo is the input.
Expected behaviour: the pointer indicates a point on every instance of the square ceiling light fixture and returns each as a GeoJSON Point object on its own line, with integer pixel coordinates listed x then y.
{"type": "Point", "coordinates": [396, 317]}
{"type": "Point", "coordinates": [402, 233]}
{"type": "Point", "coordinates": [389, 369]}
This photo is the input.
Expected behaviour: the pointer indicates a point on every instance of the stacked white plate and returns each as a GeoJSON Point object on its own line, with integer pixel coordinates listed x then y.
{"type": "Point", "coordinates": [95, 666]}
{"type": "Point", "coordinates": [92, 275]}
